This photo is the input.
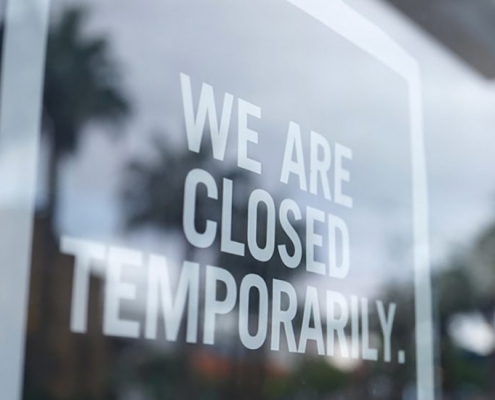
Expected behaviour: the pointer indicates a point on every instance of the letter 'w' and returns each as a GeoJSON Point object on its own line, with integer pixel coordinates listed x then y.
{"type": "Point", "coordinates": [195, 125]}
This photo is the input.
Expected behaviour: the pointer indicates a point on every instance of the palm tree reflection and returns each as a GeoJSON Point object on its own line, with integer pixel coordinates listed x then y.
{"type": "Point", "coordinates": [82, 85]}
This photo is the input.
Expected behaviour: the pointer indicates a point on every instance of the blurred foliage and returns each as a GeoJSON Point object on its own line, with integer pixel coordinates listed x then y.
{"type": "Point", "coordinates": [320, 376]}
{"type": "Point", "coordinates": [82, 84]}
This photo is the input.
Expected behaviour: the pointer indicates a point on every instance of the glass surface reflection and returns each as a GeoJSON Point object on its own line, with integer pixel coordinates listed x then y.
{"type": "Point", "coordinates": [247, 210]}
{"type": "Point", "coordinates": [224, 209]}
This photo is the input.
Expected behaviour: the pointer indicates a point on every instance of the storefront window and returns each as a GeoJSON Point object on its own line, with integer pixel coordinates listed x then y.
{"type": "Point", "coordinates": [246, 199]}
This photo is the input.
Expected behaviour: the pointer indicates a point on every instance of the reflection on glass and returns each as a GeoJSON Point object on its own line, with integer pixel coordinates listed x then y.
{"type": "Point", "coordinates": [239, 229]}
{"type": "Point", "coordinates": [224, 210]}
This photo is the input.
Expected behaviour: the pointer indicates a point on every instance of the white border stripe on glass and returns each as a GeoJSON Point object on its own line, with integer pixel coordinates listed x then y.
{"type": "Point", "coordinates": [26, 28]}
{"type": "Point", "coordinates": [348, 23]}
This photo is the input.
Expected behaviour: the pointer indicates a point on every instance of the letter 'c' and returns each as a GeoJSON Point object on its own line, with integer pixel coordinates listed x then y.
{"type": "Point", "coordinates": [193, 179]}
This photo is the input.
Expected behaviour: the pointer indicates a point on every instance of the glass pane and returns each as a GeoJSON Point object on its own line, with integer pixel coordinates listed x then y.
{"type": "Point", "coordinates": [246, 199]}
